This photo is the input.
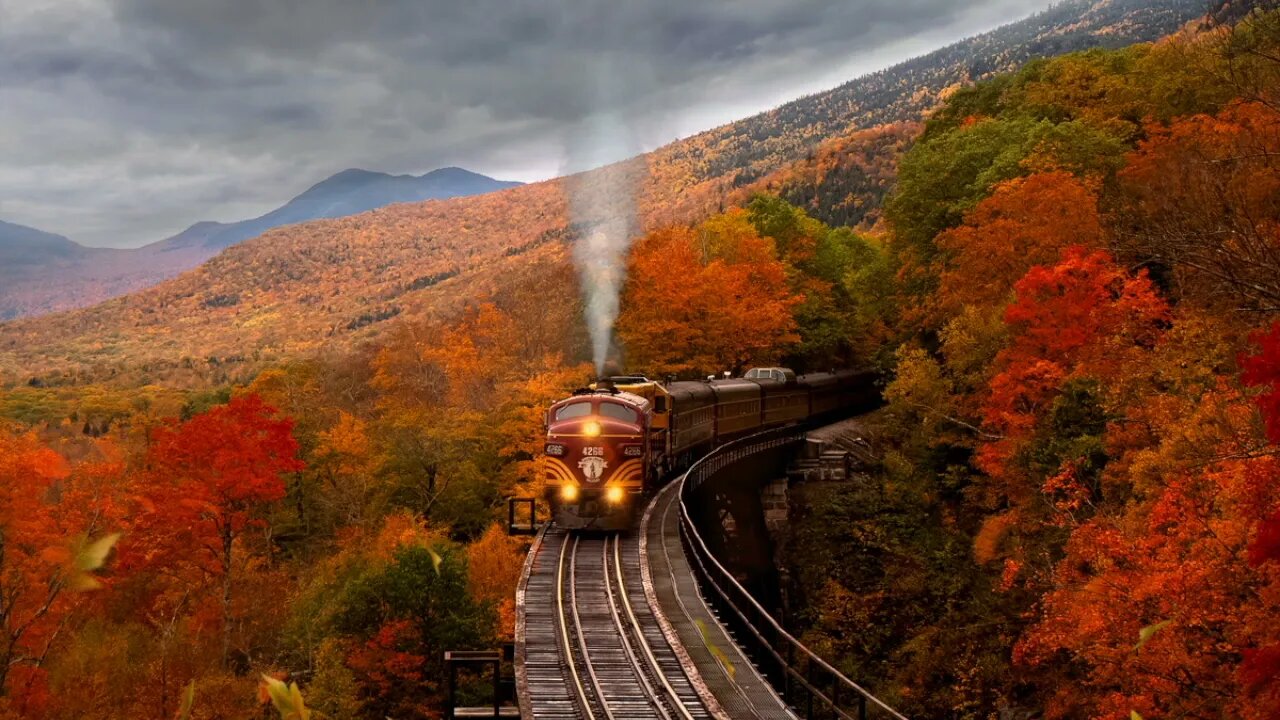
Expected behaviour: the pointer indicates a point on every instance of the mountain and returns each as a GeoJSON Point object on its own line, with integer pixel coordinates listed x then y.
{"type": "Point", "coordinates": [21, 245]}
{"type": "Point", "coordinates": [27, 254]}
{"type": "Point", "coordinates": [325, 285]}
{"type": "Point", "coordinates": [54, 273]}
{"type": "Point", "coordinates": [347, 193]}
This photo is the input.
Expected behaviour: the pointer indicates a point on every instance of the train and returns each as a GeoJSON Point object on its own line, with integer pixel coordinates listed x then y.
{"type": "Point", "coordinates": [610, 445]}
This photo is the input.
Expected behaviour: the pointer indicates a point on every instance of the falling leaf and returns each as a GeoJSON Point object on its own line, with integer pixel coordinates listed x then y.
{"type": "Point", "coordinates": [716, 652]}
{"type": "Point", "coordinates": [264, 689]}
{"type": "Point", "coordinates": [1148, 632]}
{"type": "Point", "coordinates": [90, 556]}
{"type": "Point", "coordinates": [188, 701]}
{"type": "Point", "coordinates": [435, 560]}
{"type": "Point", "coordinates": [94, 555]}
{"type": "Point", "coordinates": [1133, 715]}
{"type": "Point", "coordinates": [287, 699]}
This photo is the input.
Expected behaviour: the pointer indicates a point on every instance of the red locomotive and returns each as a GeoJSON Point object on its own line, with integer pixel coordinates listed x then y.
{"type": "Point", "coordinates": [609, 445]}
{"type": "Point", "coordinates": [596, 457]}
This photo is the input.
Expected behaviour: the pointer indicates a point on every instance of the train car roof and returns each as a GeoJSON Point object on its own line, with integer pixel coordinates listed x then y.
{"type": "Point", "coordinates": [691, 390]}
{"type": "Point", "coordinates": [818, 379]}
{"type": "Point", "coordinates": [734, 386]}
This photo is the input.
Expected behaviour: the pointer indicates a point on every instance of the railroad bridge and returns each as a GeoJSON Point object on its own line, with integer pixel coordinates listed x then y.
{"type": "Point", "coordinates": [671, 621]}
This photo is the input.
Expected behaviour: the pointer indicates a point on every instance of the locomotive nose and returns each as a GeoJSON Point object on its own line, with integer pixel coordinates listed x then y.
{"type": "Point", "coordinates": [594, 457]}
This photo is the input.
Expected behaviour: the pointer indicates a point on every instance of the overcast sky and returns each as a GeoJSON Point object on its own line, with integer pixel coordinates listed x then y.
{"type": "Point", "coordinates": [124, 121]}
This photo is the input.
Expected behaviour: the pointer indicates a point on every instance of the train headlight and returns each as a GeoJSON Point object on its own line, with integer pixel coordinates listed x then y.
{"type": "Point", "coordinates": [591, 428]}
{"type": "Point", "coordinates": [615, 494]}
{"type": "Point", "coordinates": [568, 493]}
{"type": "Point", "coordinates": [632, 451]}
{"type": "Point", "coordinates": [554, 449]}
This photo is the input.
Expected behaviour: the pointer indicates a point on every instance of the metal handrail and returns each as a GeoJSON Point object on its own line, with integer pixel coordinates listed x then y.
{"type": "Point", "coordinates": [709, 567]}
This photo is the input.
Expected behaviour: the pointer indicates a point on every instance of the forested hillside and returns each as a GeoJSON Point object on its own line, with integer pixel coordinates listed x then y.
{"type": "Point", "coordinates": [1076, 505]}
{"type": "Point", "coordinates": [336, 284]}
{"type": "Point", "coordinates": [751, 147]}
{"type": "Point", "coordinates": [1073, 510]}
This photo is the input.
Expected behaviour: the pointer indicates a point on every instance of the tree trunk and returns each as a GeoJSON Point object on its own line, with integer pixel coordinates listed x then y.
{"type": "Point", "coordinates": [164, 679]}
{"type": "Point", "coordinates": [227, 538]}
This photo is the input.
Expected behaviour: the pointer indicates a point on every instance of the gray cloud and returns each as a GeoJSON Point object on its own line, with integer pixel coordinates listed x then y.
{"type": "Point", "coordinates": [123, 121]}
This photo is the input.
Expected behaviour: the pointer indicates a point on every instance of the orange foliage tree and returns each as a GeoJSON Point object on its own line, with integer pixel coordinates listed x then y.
{"type": "Point", "coordinates": [462, 404]}
{"type": "Point", "coordinates": [494, 563]}
{"type": "Point", "coordinates": [1166, 606]}
{"type": "Point", "coordinates": [1026, 222]}
{"type": "Point", "coordinates": [706, 299]}
{"type": "Point", "coordinates": [344, 458]}
{"type": "Point", "coordinates": [47, 515]}
{"type": "Point", "coordinates": [1260, 671]}
{"type": "Point", "coordinates": [1204, 198]}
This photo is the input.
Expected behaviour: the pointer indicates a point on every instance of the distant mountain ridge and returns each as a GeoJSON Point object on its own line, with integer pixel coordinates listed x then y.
{"type": "Point", "coordinates": [349, 192]}
{"type": "Point", "coordinates": [326, 284]}
{"type": "Point", "coordinates": [22, 245]}
{"type": "Point", "coordinates": [41, 272]}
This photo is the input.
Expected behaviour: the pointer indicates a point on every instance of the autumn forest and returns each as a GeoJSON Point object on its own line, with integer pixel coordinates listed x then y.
{"type": "Point", "coordinates": [1068, 276]}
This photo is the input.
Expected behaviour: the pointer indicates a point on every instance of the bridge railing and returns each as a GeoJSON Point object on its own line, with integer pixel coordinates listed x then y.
{"type": "Point", "coordinates": [806, 681]}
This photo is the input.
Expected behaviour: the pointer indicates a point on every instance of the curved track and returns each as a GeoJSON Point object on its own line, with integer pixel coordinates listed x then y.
{"type": "Point", "coordinates": [594, 651]}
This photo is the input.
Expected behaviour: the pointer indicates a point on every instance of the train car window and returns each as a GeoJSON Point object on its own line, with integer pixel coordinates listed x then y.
{"type": "Point", "coordinates": [572, 411]}
{"type": "Point", "coordinates": [618, 412]}
{"type": "Point", "coordinates": [660, 404]}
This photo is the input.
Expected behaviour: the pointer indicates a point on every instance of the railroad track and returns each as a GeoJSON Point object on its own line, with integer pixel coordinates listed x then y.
{"type": "Point", "coordinates": [593, 649]}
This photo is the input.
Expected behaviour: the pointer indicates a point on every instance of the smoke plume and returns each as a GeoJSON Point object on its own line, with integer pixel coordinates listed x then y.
{"type": "Point", "coordinates": [604, 211]}
{"type": "Point", "coordinates": [602, 203]}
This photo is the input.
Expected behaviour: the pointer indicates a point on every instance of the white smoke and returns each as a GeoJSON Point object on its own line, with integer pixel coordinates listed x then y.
{"type": "Point", "coordinates": [624, 38]}
{"type": "Point", "coordinates": [599, 256]}
{"type": "Point", "coordinates": [603, 207]}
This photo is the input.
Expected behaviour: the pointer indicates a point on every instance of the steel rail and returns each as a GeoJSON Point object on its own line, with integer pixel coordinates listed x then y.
{"type": "Point", "coordinates": [624, 633]}
{"type": "Point", "coordinates": [596, 687]}
{"type": "Point", "coordinates": [639, 632]}
{"type": "Point", "coordinates": [566, 645]}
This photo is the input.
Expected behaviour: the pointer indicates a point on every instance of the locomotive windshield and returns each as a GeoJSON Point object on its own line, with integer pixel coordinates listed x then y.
{"type": "Point", "coordinates": [573, 410]}
{"type": "Point", "coordinates": [618, 412]}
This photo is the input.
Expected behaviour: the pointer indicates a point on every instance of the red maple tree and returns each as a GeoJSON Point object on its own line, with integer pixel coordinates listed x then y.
{"type": "Point", "coordinates": [206, 483]}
